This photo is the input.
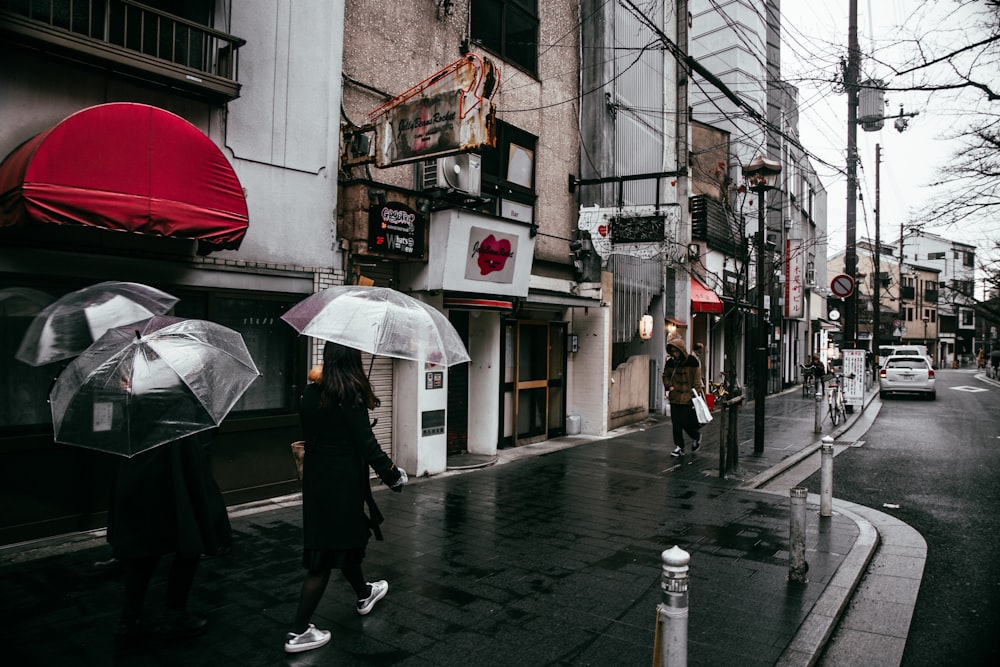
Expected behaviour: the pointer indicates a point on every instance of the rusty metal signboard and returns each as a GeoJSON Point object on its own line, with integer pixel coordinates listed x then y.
{"type": "Point", "coordinates": [449, 112]}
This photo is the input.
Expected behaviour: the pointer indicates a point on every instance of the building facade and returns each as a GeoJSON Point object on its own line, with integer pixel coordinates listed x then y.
{"type": "Point", "coordinates": [955, 263]}
{"type": "Point", "coordinates": [739, 42]}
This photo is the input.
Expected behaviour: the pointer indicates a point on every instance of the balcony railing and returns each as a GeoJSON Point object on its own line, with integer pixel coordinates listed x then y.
{"type": "Point", "coordinates": [131, 37]}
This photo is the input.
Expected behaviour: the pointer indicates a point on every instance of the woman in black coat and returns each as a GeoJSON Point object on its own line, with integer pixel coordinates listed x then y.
{"type": "Point", "coordinates": [339, 449]}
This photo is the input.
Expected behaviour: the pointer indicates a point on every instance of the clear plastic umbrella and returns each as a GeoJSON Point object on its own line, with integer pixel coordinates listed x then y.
{"type": "Point", "coordinates": [380, 321]}
{"type": "Point", "coordinates": [149, 383]}
{"type": "Point", "coordinates": [68, 326]}
{"type": "Point", "coordinates": [22, 301]}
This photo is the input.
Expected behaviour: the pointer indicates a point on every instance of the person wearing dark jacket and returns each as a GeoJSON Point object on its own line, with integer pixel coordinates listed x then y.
{"type": "Point", "coordinates": [681, 376]}
{"type": "Point", "coordinates": [339, 449]}
{"type": "Point", "coordinates": [165, 501]}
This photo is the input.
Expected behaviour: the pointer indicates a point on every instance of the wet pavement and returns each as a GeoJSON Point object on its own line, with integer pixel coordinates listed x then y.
{"type": "Point", "coordinates": [551, 556]}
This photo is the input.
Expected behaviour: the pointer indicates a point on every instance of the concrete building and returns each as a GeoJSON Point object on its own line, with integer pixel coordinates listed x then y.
{"type": "Point", "coordinates": [633, 189]}
{"type": "Point", "coordinates": [537, 333]}
{"type": "Point", "coordinates": [955, 263]}
{"type": "Point", "coordinates": [299, 103]}
{"type": "Point", "coordinates": [249, 86]}
{"type": "Point", "coordinates": [908, 300]}
{"type": "Point", "coordinates": [739, 42]}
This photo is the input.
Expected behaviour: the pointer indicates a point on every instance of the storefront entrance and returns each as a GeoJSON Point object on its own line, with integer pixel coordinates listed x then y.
{"type": "Point", "coordinates": [533, 405]}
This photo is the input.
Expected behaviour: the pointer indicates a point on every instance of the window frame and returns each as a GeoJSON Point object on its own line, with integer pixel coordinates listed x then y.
{"type": "Point", "coordinates": [481, 19]}
{"type": "Point", "coordinates": [494, 186]}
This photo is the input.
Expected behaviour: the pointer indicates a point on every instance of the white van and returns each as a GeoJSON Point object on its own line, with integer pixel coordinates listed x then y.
{"type": "Point", "coordinates": [885, 351]}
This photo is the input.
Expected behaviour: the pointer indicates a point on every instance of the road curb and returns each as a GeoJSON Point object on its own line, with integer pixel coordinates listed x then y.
{"type": "Point", "coordinates": [815, 632]}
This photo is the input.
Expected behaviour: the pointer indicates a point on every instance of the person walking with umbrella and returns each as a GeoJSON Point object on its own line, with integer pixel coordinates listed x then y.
{"type": "Point", "coordinates": [340, 446]}
{"type": "Point", "coordinates": [165, 501]}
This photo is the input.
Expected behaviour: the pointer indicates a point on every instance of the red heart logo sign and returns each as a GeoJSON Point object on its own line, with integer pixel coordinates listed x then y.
{"type": "Point", "coordinates": [492, 254]}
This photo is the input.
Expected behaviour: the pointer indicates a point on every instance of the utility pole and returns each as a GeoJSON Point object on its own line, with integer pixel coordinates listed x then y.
{"type": "Point", "coordinates": [851, 252]}
{"type": "Point", "coordinates": [876, 289]}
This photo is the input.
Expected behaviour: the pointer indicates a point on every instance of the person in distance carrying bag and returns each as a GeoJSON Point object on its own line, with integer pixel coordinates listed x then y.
{"type": "Point", "coordinates": [681, 376]}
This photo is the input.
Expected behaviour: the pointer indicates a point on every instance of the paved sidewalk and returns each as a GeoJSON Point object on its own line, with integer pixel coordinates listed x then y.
{"type": "Point", "coordinates": [550, 557]}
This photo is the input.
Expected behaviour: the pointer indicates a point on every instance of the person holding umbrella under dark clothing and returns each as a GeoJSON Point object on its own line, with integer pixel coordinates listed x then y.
{"type": "Point", "coordinates": [340, 446]}
{"type": "Point", "coordinates": [165, 501]}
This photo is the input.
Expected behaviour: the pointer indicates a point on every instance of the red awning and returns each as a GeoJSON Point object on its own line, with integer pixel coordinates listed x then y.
{"type": "Point", "coordinates": [704, 300]}
{"type": "Point", "coordinates": [126, 167]}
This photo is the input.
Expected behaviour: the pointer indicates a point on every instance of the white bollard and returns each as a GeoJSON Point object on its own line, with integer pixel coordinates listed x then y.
{"type": "Point", "coordinates": [826, 478]}
{"type": "Point", "coordinates": [797, 565]}
{"type": "Point", "coordinates": [670, 644]}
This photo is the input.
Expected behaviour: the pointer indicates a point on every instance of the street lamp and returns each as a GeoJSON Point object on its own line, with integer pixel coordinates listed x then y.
{"type": "Point", "coordinates": [761, 175]}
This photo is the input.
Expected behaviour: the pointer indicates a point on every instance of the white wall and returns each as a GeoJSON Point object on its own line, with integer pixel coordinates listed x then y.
{"type": "Point", "coordinates": [283, 131]}
{"type": "Point", "coordinates": [590, 367]}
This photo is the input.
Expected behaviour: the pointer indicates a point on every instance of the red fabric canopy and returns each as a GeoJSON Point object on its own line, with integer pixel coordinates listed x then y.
{"type": "Point", "coordinates": [704, 300]}
{"type": "Point", "coordinates": [126, 167]}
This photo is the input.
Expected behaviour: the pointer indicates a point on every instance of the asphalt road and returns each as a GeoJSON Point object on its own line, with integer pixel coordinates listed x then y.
{"type": "Point", "coordinates": [934, 464]}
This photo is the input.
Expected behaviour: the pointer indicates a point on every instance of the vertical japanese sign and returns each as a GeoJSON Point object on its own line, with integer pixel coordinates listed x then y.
{"type": "Point", "coordinates": [794, 277]}
{"type": "Point", "coordinates": [854, 377]}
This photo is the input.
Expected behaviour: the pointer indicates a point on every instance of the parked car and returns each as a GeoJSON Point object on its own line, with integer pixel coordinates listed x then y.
{"type": "Point", "coordinates": [887, 351]}
{"type": "Point", "coordinates": [906, 375]}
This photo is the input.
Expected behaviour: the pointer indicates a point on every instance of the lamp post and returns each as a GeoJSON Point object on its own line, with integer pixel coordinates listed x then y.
{"type": "Point", "coordinates": [761, 175]}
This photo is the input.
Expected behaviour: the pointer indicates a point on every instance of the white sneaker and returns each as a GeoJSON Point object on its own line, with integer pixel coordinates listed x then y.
{"type": "Point", "coordinates": [677, 451]}
{"type": "Point", "coordinates": [379, 589]}
{"type": "Point", "coordinates": [312, 638]}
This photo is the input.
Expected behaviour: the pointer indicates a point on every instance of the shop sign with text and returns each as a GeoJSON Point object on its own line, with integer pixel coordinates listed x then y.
{"type": "Point", "coordinates": [491, 256]}
{"type": "Point", "coordinates": [395, 229]}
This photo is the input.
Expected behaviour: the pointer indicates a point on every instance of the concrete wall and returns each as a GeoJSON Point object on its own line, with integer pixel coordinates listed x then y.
{"type": "Point", "coordinates": [283, 131]}
{"type": "Point", "coordinates": [590, 369]}
{"type": "Point", "coordinates": [629, 392]}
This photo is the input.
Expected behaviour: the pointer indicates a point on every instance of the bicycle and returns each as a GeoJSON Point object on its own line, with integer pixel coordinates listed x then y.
{"type": "Point", "coordinates": [836, 408]}
{"type": "Point", "coordinates": [808, 382]}
{"type": "Point", "coordinates": [718, 389]}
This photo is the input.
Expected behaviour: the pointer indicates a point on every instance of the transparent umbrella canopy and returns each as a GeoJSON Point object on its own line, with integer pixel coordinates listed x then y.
{"type": "Point", "coordinates": [68, 325]}
{"type": "Point", "coordinates": [380, 321]}
{"type": "Point", "coordinates": [149, 383]}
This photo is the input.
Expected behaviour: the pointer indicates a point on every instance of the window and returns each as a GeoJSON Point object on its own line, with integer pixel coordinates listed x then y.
{"type": "Point", "coordinates": [508, 28]}
{"type": "Point", "coordinates": [969, 259]}
{"type": "Point", "coordinates": [272, 343]}
{"type": "Point", "coordinates": [909, 313]}
{"type": "Point", "coordinates": [274, 346]}
{"type": "Point", "coordinates": [935, 255]}
{"type": "Point", "coordinates": [508, 175]}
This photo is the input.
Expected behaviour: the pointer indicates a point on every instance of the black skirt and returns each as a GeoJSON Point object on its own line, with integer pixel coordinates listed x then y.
{"type": "Point", "coordinates": [330, 559]}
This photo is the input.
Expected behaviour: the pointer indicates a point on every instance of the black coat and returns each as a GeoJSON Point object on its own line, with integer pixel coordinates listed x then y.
{"type": "Point", "coordinates": [166, 500]}
{"type": "Point", "coordinates": [340, 447]}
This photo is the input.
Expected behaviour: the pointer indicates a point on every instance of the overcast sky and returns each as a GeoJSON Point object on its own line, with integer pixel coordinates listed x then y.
{"type": "Point", "coordinates": [814, 39]}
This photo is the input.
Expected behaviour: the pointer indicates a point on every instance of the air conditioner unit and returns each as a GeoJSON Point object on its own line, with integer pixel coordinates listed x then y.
{"type": "Point", "coordinates": [462, 173]}
{"type": "Point", "coordinates": [811, 277]}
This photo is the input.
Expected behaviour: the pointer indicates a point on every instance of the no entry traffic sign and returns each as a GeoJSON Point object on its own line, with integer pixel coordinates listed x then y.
{"type": "Point", "coordinates": [842, 286]}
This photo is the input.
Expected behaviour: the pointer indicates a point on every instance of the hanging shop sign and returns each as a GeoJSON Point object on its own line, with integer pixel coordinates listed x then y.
{"type": "Point", "coordinates": [395, 229]}
{"type": "Point", "coordinates": [794, 277]}
{"type": "Point", "coordinates": [448, 112]}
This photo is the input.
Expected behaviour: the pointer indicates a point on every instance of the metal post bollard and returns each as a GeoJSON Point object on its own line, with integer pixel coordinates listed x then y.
{"type": "Point", "coordinates": [672, 613]}
{"type": "Point", "coordinates": [826, 478]}
{"type": "Point", "coordinates": [797, 565]}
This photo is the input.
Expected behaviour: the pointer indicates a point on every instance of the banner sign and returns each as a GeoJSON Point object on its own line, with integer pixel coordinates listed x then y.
{"type": "Point", "coordinates": [794, 277]}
